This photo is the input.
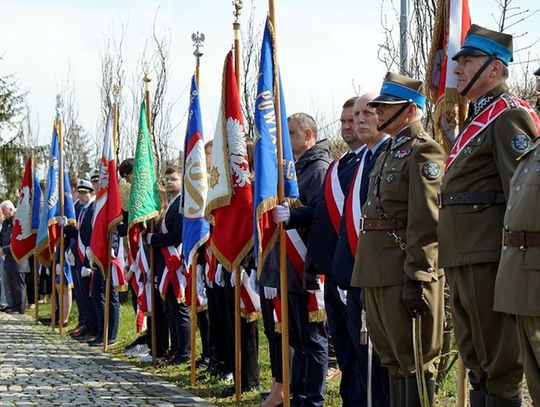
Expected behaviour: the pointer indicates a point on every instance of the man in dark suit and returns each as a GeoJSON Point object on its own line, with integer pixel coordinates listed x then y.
{"type": "Point", "coordinates": [167, 239]}
{"type": "Point", "coordinates": [12, 270]}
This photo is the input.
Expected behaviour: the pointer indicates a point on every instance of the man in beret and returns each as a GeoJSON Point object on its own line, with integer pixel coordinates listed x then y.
{"type": "Point", "coordinates": [472, 203]}
{"type": "Point", "coordinates": [396, 258]}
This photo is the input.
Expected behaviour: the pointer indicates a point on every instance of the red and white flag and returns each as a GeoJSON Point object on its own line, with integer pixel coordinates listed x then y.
{"type": "Point", "coordinates": [230, 198]}
{"type": "Point", "coordinates": [452, 22]}
{"type": "Point", "coordinates": [26, 218]}
{"type": "Point", "coordinates": [108, 211]}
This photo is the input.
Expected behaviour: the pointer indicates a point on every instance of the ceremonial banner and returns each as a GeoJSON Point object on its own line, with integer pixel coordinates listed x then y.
{"type": "Point", "coordinates": [230, 198]}
{"type": "Point", "coordinates": [108, 211]}
{"type": "Point", "coordinates": [266, 169]}
{"type": "Point", "coordinates": [196, 228]}
{"type": "Point", "coordinates": [144, 201]}
{"type": "Point", "coordinates": [49, 227]}
{"type": "Point", "coordinates": [452, 21]}
{"type": "Point", "coordinates": [26, 218]}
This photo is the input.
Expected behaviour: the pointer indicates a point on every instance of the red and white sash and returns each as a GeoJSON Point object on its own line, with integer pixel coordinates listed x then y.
{"type": "Point", "coordinates": [202, 300]}
{"type": "Point", "coordinates": [276, 301]}
{"type": "Point", "coordinates": [296, 252]}
{"type": "Point", "coordinates": [484, 119]}
{"type": "Point", "coordinates": [353, 208]}
{"type": "Point", "coordinates": [211, 264]}
{"type": "Point", "coordinates": [81, 248]}
{"type": "Point", "coordinates": [250, 303]}
{"type": "Point", "coordinates": [144, 292]}
{"type": "Point", "coordinates": [333, 194]}
{"type": "Point", "coordinates": [118, 264]}
{"type": "Point", "coordinates": [172, 273]}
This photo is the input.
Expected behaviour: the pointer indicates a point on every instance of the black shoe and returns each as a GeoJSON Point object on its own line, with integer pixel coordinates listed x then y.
{"type": "Point", "coordinates": [4, 308]}
{"type": "Point", "coordinates": [231, 390]}
{"type": "Point", "coordinates": [96, 343]}
{"type": "Point", "coordinates": [179, 360]}
{"type": "Point", "coordinates": [202, 361]}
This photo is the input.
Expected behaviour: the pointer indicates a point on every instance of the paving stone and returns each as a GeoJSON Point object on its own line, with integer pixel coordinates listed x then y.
{"type": "Point", "coordinates": [38, 367]}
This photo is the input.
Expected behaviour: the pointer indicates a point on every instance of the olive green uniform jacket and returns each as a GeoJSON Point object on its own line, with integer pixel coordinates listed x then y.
{"type": "Point", "coordinates": [472, 234]}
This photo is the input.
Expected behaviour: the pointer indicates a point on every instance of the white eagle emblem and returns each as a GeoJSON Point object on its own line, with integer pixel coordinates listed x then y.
{"type": "Point", "coordinates": [22, 215]}
{"type": "Point", "coordinates": [238, 153]}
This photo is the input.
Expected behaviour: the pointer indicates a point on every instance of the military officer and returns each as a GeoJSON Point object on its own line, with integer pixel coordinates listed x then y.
{"type": "Point", "coordinates": [396, 259]}
{"type": "Point", "coordinates": [473, 199]}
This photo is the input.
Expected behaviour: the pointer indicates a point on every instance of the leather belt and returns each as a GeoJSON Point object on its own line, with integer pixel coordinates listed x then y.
{"type": "Point", "coordinates": [521, 239]}
{"type": "Point", "coordinates": [381, 224]}
{"type": "Point", "coordinates": [470, 198]}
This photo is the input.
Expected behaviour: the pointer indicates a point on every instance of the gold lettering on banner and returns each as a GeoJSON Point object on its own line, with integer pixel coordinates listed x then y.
{"type": "Point", "coordinates": [289, 170]}
{"type": "Point", "coordinates": [266, 105]}
{"type": "Point", "coordinates": [144, 176]}
{"type": "Point", "coordinates": [195, 189]}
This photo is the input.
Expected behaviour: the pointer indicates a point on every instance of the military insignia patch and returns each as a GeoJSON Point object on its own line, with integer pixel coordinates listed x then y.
{"type": "Point", "coordinates": [401, 153]}
{"type": "Point", "coordinates": [467, 151]}
{"type": "Point", "coordinates": [431, 170]}
{"type": "Point", "coordinates": [520, 143]}
{"type": "Point", "coordinates": [399, 142]}
{"type": "Point", "coordinates": [390, 178]}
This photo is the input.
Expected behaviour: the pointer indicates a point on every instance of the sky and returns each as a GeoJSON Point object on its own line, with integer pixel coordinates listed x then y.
{"type": "Point", "coordinates": [327, 50]}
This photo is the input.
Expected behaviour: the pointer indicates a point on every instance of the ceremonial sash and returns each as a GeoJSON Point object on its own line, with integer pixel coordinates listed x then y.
{"type": "Point", "coordinates": [172, 274]}
{"type": "Point", "coordinates": [202, 300]}
{"type": "Point", "coordinates": [118, 264]}
{"type": "Point", "coordinates": [353, 208]}
{"type": "Point", "coordinates": [136, 279]}
{"type": "Point", "coordinates": [276, 301]}
{"type": "Point", "coordinates": [333, 195]}
{"type": "Point", "coordinates": [144, 299]}
{"type": "Point", "coordinates": [250, 303]}
{"type": "Point", "coordinates": [211, 263]}
{"type": "Point", "coordinates": [81, 249]}
{"type": "Point", "coordinates": [484, 119]}
{"type": "Point", "coordinates": [296, 252]}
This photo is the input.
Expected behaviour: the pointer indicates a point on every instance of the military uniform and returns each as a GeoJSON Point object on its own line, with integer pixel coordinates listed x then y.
{"type": "Point", "coordinates": [473, 195]}
{"type": "Point", "coordinates": [517, 286]}
{"type": "Point", "coordinates": [398, 244]}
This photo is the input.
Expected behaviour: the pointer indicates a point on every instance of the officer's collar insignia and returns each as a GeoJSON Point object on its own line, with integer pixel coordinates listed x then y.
{"type": "Point", "coordinates": [401, 153]}
{"type": "Point", "coordinates": [520, 143]}
{"type": "Point", "coordinates": [467, 151]}
{"type": "Point", "coordinates": [481, 103]}
{"type": "Point", "coordinates": [400, 141]}
{"type": "Point", "coordinates": [431, 170]}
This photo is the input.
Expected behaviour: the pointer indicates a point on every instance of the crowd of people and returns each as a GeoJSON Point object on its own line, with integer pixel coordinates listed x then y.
{"type": "Point", "coordinates": [380, 231]}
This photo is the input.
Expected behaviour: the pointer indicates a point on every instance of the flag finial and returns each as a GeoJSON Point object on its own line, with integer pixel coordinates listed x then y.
{"type": "Point", "coordinates": [198, 39]}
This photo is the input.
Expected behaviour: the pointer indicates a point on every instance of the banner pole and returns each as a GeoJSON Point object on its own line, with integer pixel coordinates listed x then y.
{"type": "Point", "coordinates": [193, 335]}
{"type": "Point", "coordinates": [237, 335]}
{"type": "Point", "coordinates": [62, 213]}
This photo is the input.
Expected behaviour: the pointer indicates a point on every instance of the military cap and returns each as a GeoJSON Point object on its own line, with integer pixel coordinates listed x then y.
{"type": "Point", "coordinates": [85, 186]}
{"type": "Point", "coordinates": [398, 89]}
{"type": "Point", "coordinates": [481, 41]}
{"type": "Point", "coordinates": [95, 175]}
{"type": "Point", "coordinates": [537, 72]}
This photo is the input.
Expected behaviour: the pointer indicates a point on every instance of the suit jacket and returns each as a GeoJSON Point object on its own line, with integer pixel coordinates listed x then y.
{"type": "Point", "coordinates": [5, 237]}
{"type": "Point", "coordinates": [518, 278]}
{"type": "Point", "coordinates": [323, 237]}
{"type": "Point", "coordinates": [343, 259]}
{"type": "Point", "coordinates": [174, 223]}
{"type": "Point", "coordinates": [470, 234]}
{"type": "Point", "coordinates": [85, 232]}
{"type": "Point", "coordinates": [310, 170]}
{"type": "Point", "coordinates": [407, 176]}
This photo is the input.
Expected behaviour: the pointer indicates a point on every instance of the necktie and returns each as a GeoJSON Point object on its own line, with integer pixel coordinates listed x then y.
{"type": "Point", "coordinates": [81, 216]}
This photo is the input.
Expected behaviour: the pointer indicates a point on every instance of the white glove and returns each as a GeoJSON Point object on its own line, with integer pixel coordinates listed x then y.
{"type": "Point", "coordinates": [342, 295]}
{"type": "Point", "coordinates": [233, 278]}
{"type": "Point", "coordinates": [58, 269]}
{"type": "Point", "coordinates": [281, 213]}
{"type": "Point", "coordinates": [70, 257]}
{"type": "Point", "coordinates": [218, 279]}
{"type": "Point", "coordinates": [87, 252]}
{"type": "Point", "coordinates": [149, 238]}
{"type": "Point", "coordinates": [206, 271]}
{"type": "Point", "coordinates": [253, 281]}
{"type": "Point", "coordinates": [62, 220]}
{"type": "Point", "coordinates": [270, 293]}
{"type": "Point", "coordinates": [86, 272]}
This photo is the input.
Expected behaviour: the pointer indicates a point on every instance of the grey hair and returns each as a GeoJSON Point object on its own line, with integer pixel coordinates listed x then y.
{"type": "Point", "coordinates": [305, 121]}
{"type": "Point", "coordinates": [7, 204]}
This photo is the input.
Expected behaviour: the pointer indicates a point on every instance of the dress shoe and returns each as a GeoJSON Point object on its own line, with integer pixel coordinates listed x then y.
{"type": "Point", "coordinates": [96, 343]}
{"type": "Point", "coordinates": [13, 311]}
{"type": "Point", "coordinates": [231, 390]}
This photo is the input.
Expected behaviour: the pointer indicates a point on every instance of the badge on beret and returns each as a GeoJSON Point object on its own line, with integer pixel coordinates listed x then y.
{"type": "Point", "coordinates": [431, 170]}
{"type": "Point", "coordinates": [520, 143]}
{"type": "Point", "coordinates": [401, 153]}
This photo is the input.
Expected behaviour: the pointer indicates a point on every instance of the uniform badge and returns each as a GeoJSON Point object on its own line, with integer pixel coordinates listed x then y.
{"type": "Point", "coordinates": [520, 143]}
{"type": "Point", "coordinates": [400, 141]}
{"type": "Point", "coordinates": [431, 170]}
{"type": "Point", "coordinates": [467, 151]}
{"type": "Point", "coordinates": [390, 178]}
{"type": "Point", "coordinates": [401, 153]}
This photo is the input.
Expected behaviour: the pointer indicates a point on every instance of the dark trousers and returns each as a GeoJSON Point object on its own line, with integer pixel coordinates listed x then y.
{"type": "Point", "coordinates": [77, 293]}
{"type": "Point", "coordinates": [29, 282]}
{"type": "Point", "coordinates": [203, 323]}
{"type": "Point", "coordinates": [17, 288]}
{"type": "Point", "coordinates": [274, 338]}
{"type": "Point", "coordinates": [379, 374]}
{"type": "Point", "coordinates": [249, 340]}
{"type": "Point", "coordinates": [310, 358]}
{"type": "Point", "coordinates": [178, 320]}
{"type": "Point", "coordinates": [216, 315]}
{"type": "Point", "coordinates": [98, 303]}
{"type": "Point", "coordinates": [162, 328]}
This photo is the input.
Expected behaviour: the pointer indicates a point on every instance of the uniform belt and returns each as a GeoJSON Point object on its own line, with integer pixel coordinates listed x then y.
{"type": "Point", "coordinates": [470, 198]}
{"type": "Point", "coordinates": [521, 239]}
{"type": "Point", "coordinates": [381, 224]}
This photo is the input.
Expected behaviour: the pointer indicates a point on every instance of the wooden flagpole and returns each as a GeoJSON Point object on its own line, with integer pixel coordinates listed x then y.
{"type": "Point", "coordinates": [282, 239]}
{"type": "Point", "coordinates": [237, 280]}
{"type": "Point", "coordinates": [108, 275]}
{"type": "Point", "coordinates": [151, 227]}
{"type": "Point", "coordinates": [36, 269]}
{"type": "Point", "coordinates": [62, 213]}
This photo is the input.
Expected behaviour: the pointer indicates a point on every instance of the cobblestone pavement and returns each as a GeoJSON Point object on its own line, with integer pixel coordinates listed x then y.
{"type": "Point", "coordinates": [44, 369]}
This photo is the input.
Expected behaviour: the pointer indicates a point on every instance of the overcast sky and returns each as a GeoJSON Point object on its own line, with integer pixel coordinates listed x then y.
{"type": "Point", "coordinates": [326, 49]}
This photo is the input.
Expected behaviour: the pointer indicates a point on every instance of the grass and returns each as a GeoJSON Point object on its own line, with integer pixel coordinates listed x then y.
{"type": "Point", "coordinates": [210, 388]}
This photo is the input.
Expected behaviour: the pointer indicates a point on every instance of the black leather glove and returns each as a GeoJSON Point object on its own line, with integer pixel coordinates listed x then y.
{"type": "Point", "coordinates": [311, 282]}
{"type": "Point", "coordinates": [412, 294]}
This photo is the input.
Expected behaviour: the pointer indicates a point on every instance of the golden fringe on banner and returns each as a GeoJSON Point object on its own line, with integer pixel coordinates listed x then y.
{"type": "Point", "coordinates": [317, 316]}
{"type": "Point", "coordinates": [251, 316]}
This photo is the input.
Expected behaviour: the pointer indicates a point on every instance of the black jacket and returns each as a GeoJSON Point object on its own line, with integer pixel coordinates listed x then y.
{"type": "Point", "coordinates": [5, 237]}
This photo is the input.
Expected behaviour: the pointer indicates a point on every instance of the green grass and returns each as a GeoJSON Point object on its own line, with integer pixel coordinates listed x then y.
{"type": "Point", "coordinates": [210, 388]}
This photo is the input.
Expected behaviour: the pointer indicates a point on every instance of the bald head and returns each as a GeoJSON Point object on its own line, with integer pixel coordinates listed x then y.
{"type": "Point", "coordinates": [365, 120]}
